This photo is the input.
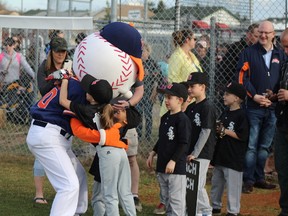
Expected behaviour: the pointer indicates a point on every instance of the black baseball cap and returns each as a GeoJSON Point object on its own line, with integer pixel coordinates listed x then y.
{"type": "Point", "coordinates": [58, 44]}
{"type": "Point", "coordinates": [133, 117]}
{"type": "Point", "coordinates": [236, 89]}
{"type": "Point", "coordinates": [99, 89]}
{"type": "Point", "coordinates": [197, 78]}
{"type": "Point", "coordinates": [175, 89]}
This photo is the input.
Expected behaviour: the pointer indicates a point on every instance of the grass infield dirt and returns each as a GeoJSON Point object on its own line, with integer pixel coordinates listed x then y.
{"type": "Point", "coordinates": [17, 191]}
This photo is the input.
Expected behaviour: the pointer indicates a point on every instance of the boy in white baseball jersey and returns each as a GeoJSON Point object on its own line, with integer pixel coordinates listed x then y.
{"type": "Point", "coordinates": [171, 148]}
{"type": "Point", "coordinates": [228, 160]}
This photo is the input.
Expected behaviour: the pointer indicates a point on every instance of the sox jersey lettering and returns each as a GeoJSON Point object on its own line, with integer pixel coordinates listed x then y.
{"type": "Point", "coordinates": [230, 152]}
{"type": "Point", "coordinates": [173, 142]}
{"type": "Point", "coordinates": [202, 115]}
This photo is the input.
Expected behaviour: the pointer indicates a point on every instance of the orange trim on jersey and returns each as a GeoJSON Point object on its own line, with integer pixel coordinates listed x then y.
{"type": "Point", "coordinates": [93, 136]}
{"type": "Point", "coordinates": [245, 69]}
{"type": "Point", "coordinates": [138, 62]}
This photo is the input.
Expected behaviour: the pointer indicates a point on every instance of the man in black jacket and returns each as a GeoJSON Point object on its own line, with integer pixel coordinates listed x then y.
{"type": "Point", "coordinates": [281, 138]}
{"type": "Point", "coordinates": [230, 59]}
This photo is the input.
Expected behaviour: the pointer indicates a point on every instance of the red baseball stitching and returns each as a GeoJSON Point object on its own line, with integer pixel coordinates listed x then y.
{"type": "Point", "coordinates": [126, 61]}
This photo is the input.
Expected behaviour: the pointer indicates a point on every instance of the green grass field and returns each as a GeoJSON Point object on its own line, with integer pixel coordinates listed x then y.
{"type": "Point", "coordinates": [17, 191]}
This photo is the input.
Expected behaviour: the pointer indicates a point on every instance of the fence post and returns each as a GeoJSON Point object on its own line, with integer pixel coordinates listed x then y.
{"type": "Point", "coordinates": [113, 17]}
{"type": "Point", "coordinates": [177, 15]}
{"type": "Point", "coordinates": [212, 67]}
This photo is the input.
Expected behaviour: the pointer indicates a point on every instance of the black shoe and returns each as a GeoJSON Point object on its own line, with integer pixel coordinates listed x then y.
{"type": "Point", "coordinates": [230, 214]}
{"type": "Point", "coordinates": [247, 188]}
{"type": "Point", "coordinates": [216, 211]}
{"type": "Point", "coordinates": [264, 185]}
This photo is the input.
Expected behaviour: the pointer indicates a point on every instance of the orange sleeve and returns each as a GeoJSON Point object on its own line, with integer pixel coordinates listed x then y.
{"type": "Point", "coordinates": [93, 136]}
{"type": "Point", "coordinates": [84, 133]}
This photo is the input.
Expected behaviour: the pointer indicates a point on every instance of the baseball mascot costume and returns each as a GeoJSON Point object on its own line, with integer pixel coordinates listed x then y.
{"type": "Point", "coordinates": [113, 54]}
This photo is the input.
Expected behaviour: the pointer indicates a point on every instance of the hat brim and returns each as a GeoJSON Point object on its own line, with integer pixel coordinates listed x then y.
{"type": "Point", "coordinates": [58, 49]}
{"type": "Point", "coordinates": [187, 83]}
{"type": "Point", "coordinates": [139, 63]}
{"type": "Point", "coordinates": [166, 91]}
{"type": "Point", "coordinates": [86, 82]}
{"type": "Point", "coordinates": [133, 117]}
{"type": "Point", "coordinates": [239, 96]}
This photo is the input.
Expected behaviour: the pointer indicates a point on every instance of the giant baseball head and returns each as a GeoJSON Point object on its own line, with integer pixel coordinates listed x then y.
{"type": "Point", "coordinates": [113, 54]}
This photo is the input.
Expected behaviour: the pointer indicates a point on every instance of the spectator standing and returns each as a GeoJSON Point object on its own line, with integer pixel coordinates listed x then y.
{"type": "Point", "coordinates": [228, 160]}
{"type": "Point", "coordinates": [171, 149]}
{"type": "Point", "coordinates": [182, 61]}
{"type": "Point", "coordinates": [56, 59]}
{"type": "Point", "coordinates": [229, 62]}
{"type": "Point", "coordinates": [280, 138]}
{"type": "Point", "coordinates": [202, 115]}
{"type": "Point", "coordinates": [52, 34]}
{"type": "Point", "coordinates": [145, 106]}
{"type": "Point", "coordinates": [260, 72]}
{"type": "Point", "coordinates": [201, 50]}
{"type": "Point", "coordinates": [10, 65]}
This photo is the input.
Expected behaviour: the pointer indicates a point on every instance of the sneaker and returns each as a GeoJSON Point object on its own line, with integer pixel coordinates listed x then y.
{"type": "Point", "coordinates": [230, 214]}
{"type": "Point", "coordinates": [138, 204]}
{"type": "Point", "coordinates": [264, 185]}
{"type": "Point", "coordinates": [216, 211]}
{"type": "Point", "coordinates": [160, 209]}
{"type": "Point", "coordinates": [247, 188]}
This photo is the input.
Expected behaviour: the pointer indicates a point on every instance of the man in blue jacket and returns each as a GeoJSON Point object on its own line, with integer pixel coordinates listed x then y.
{"type": "Point", "coordinates": [259, 69]}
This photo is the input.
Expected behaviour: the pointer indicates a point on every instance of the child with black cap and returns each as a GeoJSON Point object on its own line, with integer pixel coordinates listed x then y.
{"type": "Point", "coordinates": [233, 133]}
{"type": "Point", "coordinates": [202, 115]}
{"type": "Point", "coordinates": [171, 148]}
{"type": "Point", "coordinates": [113, 161]}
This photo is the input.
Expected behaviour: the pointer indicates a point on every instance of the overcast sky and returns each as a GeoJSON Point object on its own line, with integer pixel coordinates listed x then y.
{"type": "Point", "coordinates": [262, 8]}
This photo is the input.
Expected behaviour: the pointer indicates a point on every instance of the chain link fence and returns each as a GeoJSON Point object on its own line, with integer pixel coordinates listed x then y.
{"type": "Point", "coordinates": [221, 30]}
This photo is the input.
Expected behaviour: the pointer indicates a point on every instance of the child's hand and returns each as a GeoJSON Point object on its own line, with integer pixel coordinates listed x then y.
{"type": "Point", "coordinates": [149, 161]}
{"type": "Point", "coordinates": [190, 158]}
{"type": "Point", "coordinates": [170, 167]}
{"type": "Point", "coordinates": [219, 128]}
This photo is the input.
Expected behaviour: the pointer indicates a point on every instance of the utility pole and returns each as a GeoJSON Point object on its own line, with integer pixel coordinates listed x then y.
{"type": "Point", "coordinates": [113, 17]}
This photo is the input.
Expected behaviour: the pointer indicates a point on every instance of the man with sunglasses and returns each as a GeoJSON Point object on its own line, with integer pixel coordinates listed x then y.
{"type": "Point", "coordinates": [259, 71]}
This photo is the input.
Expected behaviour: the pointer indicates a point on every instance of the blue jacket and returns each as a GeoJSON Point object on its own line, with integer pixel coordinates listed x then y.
{"type": "Point", "coordinates": [254, 74]}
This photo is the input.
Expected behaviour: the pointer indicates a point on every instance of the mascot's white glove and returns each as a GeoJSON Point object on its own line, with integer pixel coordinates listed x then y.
{"type": "Point", "coordinates": [102, 132]}
{"type": "Point", "coordinates": [58, 75]}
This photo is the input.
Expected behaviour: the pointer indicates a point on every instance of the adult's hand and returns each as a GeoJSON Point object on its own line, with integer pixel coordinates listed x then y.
{"type": "Point", "coordinates": [282, 95]}
{"type": "Point", "coordinates": [262, 100]}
